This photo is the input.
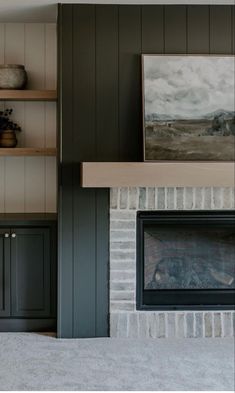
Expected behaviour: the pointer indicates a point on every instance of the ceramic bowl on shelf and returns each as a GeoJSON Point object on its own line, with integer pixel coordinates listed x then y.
{"type": "Point", "coordinates": [12, 76]}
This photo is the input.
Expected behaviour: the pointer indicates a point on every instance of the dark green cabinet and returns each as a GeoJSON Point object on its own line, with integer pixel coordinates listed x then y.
{"type": "Point", "coordinates": [30, 272]}
{"type": "Point", "coordinates": [4, 273]}
{"type": "Point", "coordinates": [28, 276]}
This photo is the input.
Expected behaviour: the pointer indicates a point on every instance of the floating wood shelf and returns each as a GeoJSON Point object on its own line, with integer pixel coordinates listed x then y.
{"type": "Point", "coordinates": [28, 151]}
{"type": "Point", "coordinates": [161, 174]}
{"type": "Point", "coordinates": [28, 95]}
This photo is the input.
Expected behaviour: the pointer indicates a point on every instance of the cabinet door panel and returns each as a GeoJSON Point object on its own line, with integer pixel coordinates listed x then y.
{"type": "Point", "coordinates": [31, 261]}
{"type": "Point", "coordinates": [4, 273]}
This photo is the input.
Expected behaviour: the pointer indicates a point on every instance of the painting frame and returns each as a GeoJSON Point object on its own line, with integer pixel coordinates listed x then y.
{"type": "Point", "coordinates": [143, 56]}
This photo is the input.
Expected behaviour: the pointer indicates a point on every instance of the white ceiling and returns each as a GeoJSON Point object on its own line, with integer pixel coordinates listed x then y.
{"type": "Point", "coordinates": [46, 10]}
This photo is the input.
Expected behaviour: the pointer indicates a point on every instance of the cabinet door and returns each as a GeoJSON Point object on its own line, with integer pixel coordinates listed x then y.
{"type": "Point", "coordinates": [4, 272]}
{"type": "Point", "coordinates": [31, 272]}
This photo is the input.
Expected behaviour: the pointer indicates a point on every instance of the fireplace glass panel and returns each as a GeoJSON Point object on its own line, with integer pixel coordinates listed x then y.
{"type": "Point", "coordinates": [189, 257]}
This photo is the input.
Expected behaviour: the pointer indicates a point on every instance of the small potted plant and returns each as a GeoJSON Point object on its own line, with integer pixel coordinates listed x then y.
{"type": "Point", "coordinates": [8, 129]}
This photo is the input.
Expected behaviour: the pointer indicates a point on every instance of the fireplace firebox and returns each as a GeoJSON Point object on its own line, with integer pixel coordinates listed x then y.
{"type": "Point", "coordinates": [185, 260]}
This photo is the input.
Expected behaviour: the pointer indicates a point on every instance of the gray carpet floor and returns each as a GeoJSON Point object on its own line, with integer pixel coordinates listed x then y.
{"type": "Point", "coordinates": [38, 362]}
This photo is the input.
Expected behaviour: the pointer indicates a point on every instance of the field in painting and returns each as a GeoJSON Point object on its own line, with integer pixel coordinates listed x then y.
{"type": "Point", "coordinates": [196, 139]}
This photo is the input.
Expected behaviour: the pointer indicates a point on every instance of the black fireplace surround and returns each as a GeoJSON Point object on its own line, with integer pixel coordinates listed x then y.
{"type": "Point", "coordinates": [185, 260]}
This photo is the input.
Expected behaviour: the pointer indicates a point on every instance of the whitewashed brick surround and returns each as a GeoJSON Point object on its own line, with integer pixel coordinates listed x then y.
{"type": "Point", "coordinates": [125, 320]}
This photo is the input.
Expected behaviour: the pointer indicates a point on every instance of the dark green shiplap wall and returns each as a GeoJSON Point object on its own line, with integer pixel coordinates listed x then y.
{"type": "Point", "coordinates": [100, 120]}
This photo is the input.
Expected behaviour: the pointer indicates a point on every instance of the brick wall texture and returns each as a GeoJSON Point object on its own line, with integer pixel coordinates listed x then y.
{"type": "Point", "coordinates": [125, 320]}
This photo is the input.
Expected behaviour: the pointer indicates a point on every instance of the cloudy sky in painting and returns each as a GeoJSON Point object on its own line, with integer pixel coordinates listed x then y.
{"type": "Point", "coordinates": [188, 86]}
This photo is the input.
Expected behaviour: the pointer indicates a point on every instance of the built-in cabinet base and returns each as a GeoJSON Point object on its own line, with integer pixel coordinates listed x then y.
{"type": "Point", "coordinates": [28, 278]}
{"type": "Point", "coordinates": [27, 325]}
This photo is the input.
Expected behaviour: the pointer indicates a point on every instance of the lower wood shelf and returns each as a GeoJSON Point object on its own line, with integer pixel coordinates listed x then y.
{"type": "Point", "coordinates": [28, 151]}
{"type": "Point", "coordinates": [28, 95]}
{"type": "Point", "coordinates": [157, 174]}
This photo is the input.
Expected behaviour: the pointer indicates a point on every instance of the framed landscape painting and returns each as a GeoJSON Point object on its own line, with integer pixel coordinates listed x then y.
{"type": "Point", "coordinates": [188, 107]}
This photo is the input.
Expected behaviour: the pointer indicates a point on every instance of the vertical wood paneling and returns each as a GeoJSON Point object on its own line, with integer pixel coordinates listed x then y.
{"type": "Point", "coordinates": [2, 41]}
{"type": "Point", "coordinates": [129, 83]}
{"type": "Point", "coordinates": [233, 29]}
{"type": "Point", "coordinates": [101, 119]}
{"type": "Point", "coordinates": [84, 81]}
{"type": "Point", "coordinates": [35, 62]}
{"type": "Point", "coordinates": [50, 56]}
{"type": "Point", "coordinates": [84, 116]}
{"type": "Point", "coordinates": [14, 43]}
{"type": "Point", "coordinates": [102, 263]}
{"type": "Point", "coordinates": [153, 29]}
{"type": "Point", "coordinates": [84, 263]}
{"type": "Point", "coordinates": [107, 147]}
{"type": "Point", "coordinates": [221, 29]}
{"type": "Point", "coordinates": [34, 134]}
{"type": "Point", "coordinates": [50, 117]}
{"type": "Point", "coordinates": [198, 35]}
{"type": "Point", "coordinates": [175, 29]}
{"type": "Point", "coordinates": [35, 184]}
{"type": "Point", "coordinates": [50, 184]}
{"type": "Point", "coordinates": [35, 59]}
{"type": "Point", "coordinates": [107, 122]}
{"type": "Point", "coordinates": [50, 124]}
{"type": "Point", "coordinates": [24, 183]}
{"type": "Point", "coordinates": [50, 83]}
{"type": "Point", "coordinates": [18, 116]}
{"type": "Point", "coordinates": [14, 167]}
{"type": "Point", "coordinates": [14, 174]}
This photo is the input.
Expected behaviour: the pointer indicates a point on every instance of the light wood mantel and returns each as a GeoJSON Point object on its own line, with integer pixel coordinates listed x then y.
{"type": "Point", "coordinates": [161, 174]}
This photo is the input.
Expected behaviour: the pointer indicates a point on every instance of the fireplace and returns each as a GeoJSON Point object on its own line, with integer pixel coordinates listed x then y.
{"type": "Point", "coordinates": [130, 212]}
{"type": "Point", "coordinates": [185, 260]}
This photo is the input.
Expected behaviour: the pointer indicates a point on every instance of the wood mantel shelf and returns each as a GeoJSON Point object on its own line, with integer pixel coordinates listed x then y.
{"type": "Point", "coordinates": [28, 95]}
{"type": "Point", "coordinates": [157, 174]}
{"type": "Point", "coordinates": [27, 151]}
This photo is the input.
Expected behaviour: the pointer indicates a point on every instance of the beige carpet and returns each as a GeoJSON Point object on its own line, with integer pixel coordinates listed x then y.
{"type": "Point", "coordinates": [40, 362]}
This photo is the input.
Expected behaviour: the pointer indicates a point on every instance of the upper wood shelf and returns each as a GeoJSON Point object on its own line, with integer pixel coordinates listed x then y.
{"type": "Point", "coordinates": [157, 174]}
{"type": "Point", "coordinates": [27, 151]}
{"type": "Point", "coordinates": [28, 95]}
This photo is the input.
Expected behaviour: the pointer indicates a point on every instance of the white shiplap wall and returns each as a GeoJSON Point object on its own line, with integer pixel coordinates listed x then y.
{"type": "Point", "coordinates": [28, 184]}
